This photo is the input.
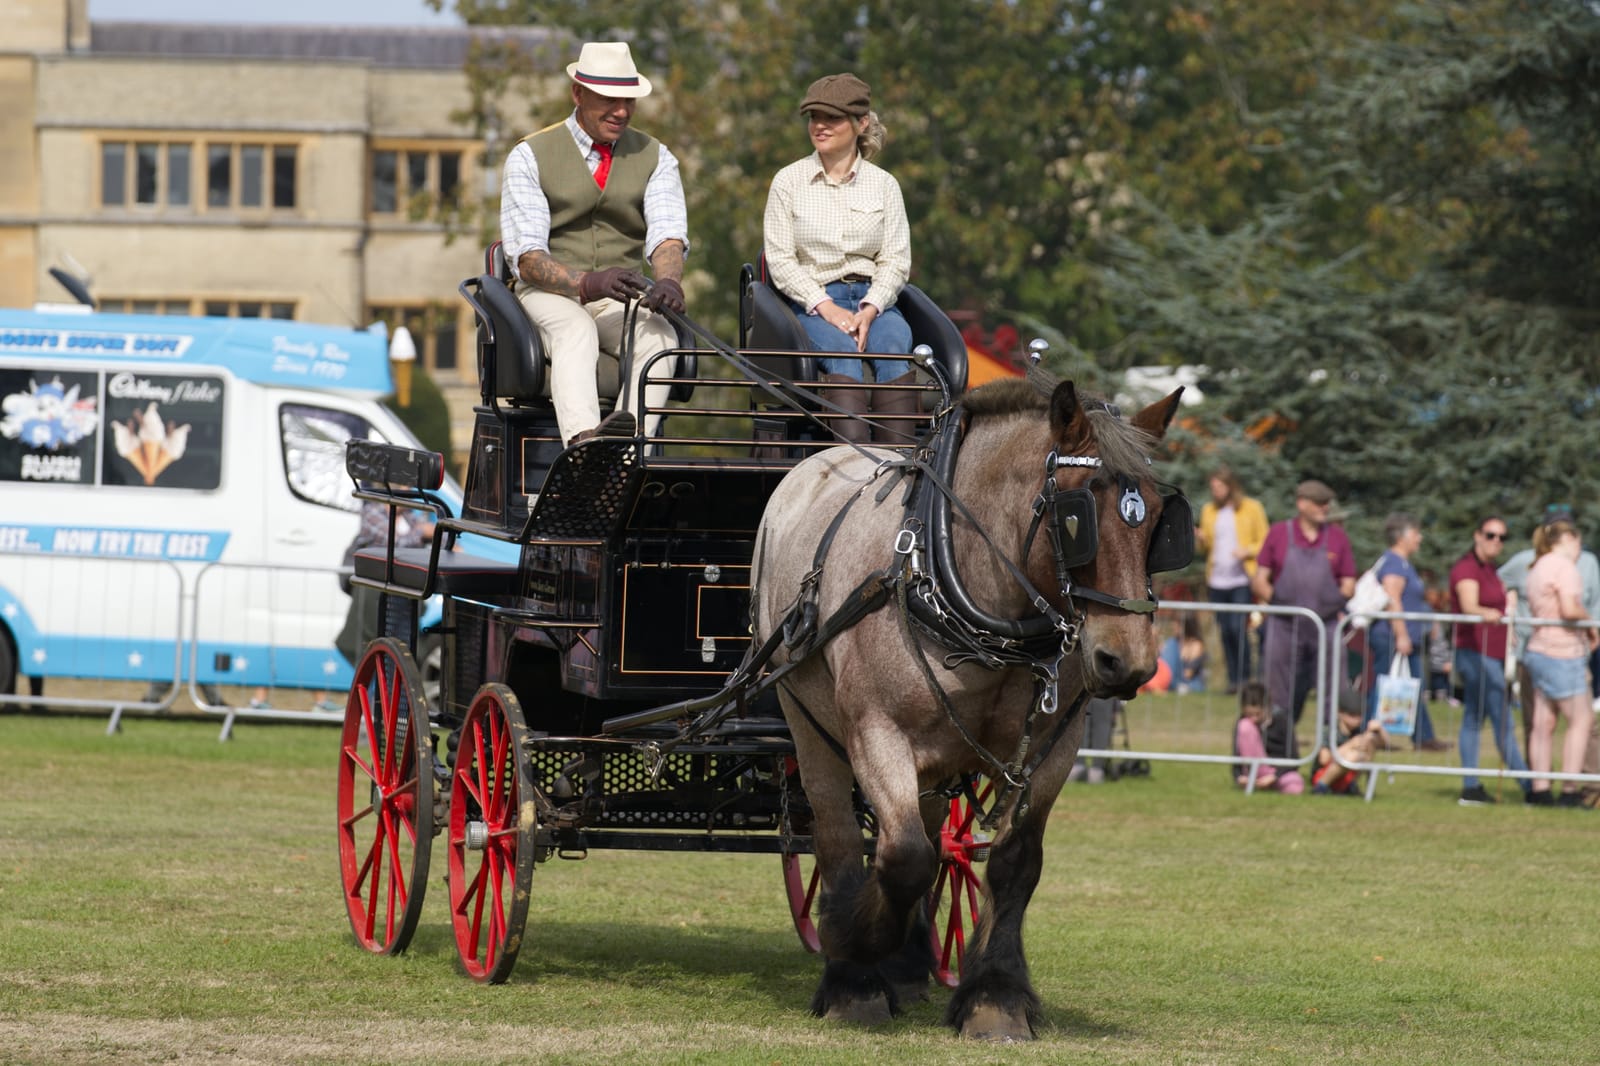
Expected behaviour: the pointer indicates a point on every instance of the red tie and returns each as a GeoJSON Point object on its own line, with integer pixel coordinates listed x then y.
{"type": "Point", "coordinates": [603, 171]}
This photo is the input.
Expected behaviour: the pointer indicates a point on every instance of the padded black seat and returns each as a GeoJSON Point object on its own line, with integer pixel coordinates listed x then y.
{"type": "Point", "coordinates": [513, 366]}
{"type": "Point", "coordinates": [767, 321]}
{"type": "Point", "coordinates": [460, 574]}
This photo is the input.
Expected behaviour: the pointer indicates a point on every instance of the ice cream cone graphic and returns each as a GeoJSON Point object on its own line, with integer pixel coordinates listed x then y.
{"type": "Point", "coordinates": [152, 436]}
{"type": "Point", "coordinates": [148, 445]}
{"type": "Point", "coordinates": [172, 449]}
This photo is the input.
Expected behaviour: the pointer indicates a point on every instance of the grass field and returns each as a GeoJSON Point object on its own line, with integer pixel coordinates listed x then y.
{"type": "Point", "coordinates": [166, 898]}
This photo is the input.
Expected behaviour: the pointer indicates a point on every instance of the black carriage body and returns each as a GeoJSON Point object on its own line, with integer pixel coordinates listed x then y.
{"type": "Point", "coordinates": [632, 590]}
{"type": "Point", "coordinates": [567, 679]}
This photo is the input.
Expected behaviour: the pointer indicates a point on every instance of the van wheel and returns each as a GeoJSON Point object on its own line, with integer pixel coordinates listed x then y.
{"type": "Point", "coordinates": [8, 663]}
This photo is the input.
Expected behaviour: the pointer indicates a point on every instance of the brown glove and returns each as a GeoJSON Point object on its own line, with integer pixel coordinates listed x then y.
{"type": "Point", "coordinates": [619, 283]}
{"type": "Point", "coordinates": [666, 293]}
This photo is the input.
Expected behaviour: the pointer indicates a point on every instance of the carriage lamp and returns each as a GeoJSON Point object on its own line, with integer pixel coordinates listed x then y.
{"type": "Point", "coordinates": [402, 355]}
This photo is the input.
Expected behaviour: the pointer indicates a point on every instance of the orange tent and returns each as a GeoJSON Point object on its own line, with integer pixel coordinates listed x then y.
{"type": "Point", "coordinates": [983, 368]}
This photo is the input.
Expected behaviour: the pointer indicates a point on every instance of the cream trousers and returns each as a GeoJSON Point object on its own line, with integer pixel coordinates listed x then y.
{"type": "Point", "coordinates": [574, 335]}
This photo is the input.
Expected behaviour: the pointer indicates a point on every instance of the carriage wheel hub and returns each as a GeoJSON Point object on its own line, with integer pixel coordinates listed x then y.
{"type": "Point", "coordinates": [477, 837]}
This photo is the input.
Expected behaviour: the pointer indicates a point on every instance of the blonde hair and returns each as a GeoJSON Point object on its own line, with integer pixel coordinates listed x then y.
{"type": "Point", "coordinates": [1549, 535]}
{"type": "Point", "coordinates": [871, 140]}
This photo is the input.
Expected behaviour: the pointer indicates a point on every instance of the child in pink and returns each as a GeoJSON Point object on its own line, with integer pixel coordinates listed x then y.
{"type": "Point", "coordinates": [1248, 744]}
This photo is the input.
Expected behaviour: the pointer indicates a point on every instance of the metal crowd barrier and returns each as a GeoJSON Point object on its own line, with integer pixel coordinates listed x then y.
{"type": "Point", "coordinates": [113, 625]}
{"type": "Point", "coordinates": [78, 615]}
{"type": "Point", "coordinates": [320, 607]}
{"type": "Point", "coordinates": [1318, 706]}
{"type": "Point", "coordinates": [1373, 670]}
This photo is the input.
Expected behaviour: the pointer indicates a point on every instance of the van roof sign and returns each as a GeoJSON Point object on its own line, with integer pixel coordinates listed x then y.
{"type": "Point", "coordinates": [267, 351]}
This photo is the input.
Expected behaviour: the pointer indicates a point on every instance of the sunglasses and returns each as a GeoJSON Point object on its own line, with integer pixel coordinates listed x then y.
{"type": "Point", "coordinates": [1491, 536]}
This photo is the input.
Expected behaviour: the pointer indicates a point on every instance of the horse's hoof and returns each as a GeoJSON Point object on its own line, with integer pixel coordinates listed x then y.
{"type": "Point", "coordinates": [992, 1025]}
{"type": "Point", "coordinates": [861, 1012]}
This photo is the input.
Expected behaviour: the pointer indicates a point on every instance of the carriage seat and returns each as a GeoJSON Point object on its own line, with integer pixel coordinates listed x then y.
{"type": "Point", "coordinates": [512, 363]}
{"type": "Point", "coordinates": [767, 321]}
{"type": "Point", "coordinates": [460, 574]}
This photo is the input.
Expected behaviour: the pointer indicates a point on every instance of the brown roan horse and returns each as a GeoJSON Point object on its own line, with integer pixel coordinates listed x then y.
{"type": "Point", "coordinates": [864, 710]}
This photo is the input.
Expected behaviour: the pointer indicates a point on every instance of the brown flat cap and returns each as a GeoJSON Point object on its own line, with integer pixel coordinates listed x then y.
{"type": "Point", "coordinates": [1313, 490]}
{"type": "Point", "coordinates": [838, 94]}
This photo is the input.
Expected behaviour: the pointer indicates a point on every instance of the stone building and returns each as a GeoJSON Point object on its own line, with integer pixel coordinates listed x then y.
{"type": "Point", "coordinates": [287, 171]}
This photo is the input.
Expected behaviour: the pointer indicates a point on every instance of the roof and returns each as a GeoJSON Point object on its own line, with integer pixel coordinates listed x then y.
{"type": "Point", "coordinates": [263, 350]}
{"type": "Point", "coordinates": [417, 47]}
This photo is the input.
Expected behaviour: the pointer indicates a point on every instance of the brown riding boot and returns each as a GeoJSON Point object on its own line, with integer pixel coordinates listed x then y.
{"type": "Point", "coordinates": [896, 432]}
{"type": "Point", "coordinates": [853, 402]}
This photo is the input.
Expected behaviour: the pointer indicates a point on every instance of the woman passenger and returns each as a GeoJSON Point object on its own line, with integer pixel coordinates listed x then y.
{"type": "Point", "coordinates": [838, 248]}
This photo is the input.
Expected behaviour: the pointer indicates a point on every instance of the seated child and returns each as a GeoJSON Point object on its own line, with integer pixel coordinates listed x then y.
{"type": "Point", "coordinates": [1247, 744]}
{"type": "Point", "coordinates": [1328, 776]}
{"type": "Point", "coordinates": [1191, 658]}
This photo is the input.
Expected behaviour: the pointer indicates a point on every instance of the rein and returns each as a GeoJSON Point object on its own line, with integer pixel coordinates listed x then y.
{"type": "Point", "coordinates": [927, 589]}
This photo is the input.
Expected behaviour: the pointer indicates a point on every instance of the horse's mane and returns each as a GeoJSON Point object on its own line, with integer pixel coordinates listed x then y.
{"type": "Point", "coordinates": [1123, 447]}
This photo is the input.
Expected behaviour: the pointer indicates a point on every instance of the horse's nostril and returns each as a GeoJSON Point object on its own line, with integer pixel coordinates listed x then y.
{"type": "Point", "coordinates": [1108, 665]}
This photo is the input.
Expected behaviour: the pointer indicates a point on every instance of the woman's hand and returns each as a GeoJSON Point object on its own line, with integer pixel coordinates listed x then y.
{"type": "Point", "coordinates": [836, 316]}
{"type": "Point", "coordinates": [860, 324]}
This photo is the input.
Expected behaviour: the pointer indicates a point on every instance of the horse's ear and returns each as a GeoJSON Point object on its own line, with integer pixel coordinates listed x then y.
{"type": "Point", "coordinates": [1064, 411]}
{"type": "Point", "coordinates": [1155, 419]}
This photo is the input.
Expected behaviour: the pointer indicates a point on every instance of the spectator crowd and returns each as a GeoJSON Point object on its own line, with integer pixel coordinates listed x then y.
{"type": "Point", "coordinates": [1381, 679]}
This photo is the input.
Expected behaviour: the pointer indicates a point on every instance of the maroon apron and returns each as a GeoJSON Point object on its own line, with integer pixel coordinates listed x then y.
{"type": "Point", "coordinates": [1290, 643]}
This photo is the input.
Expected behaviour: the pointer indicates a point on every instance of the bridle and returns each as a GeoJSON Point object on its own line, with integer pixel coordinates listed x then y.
{"type": "Point", "coordinates": [1070, 520]}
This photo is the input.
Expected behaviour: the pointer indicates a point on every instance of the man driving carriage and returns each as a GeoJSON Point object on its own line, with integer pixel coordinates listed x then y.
{"type": "Point", "coordinates": [584, 204]}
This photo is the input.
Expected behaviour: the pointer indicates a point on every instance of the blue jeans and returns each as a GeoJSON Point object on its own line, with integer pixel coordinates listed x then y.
{"type": "Point", "coordinates": [1235, 635]}
{"type": "Point", "coordinates": [1484, 695]}
{"type": "Point", "coordinates": [889, 332]}
{"type": "Point", "coordinates": [1380, 639]}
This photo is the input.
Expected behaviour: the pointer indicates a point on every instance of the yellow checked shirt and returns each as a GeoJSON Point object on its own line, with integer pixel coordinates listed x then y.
{"type": "Point", "coordinates": [818, 231]}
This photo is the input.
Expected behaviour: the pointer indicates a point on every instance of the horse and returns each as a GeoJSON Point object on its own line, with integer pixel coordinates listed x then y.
{"type": "Point", "coordinates": [907, 678]}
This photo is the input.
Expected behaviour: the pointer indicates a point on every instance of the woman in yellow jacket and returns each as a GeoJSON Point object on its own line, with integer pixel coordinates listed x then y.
{"type": "Point", "coordinates": [1232, 527]}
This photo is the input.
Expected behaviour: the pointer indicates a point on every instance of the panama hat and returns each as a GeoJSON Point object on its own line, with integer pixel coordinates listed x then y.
{"type": "Point", "coordinates": [606, 67]}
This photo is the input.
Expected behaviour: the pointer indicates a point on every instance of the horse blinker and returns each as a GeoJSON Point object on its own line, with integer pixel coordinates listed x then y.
{"type": "Point", "coordinates": [1172, 541]}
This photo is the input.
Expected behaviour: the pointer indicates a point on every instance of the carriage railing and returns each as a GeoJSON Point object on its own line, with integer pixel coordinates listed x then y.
{"type": "Point", "coordinates": [768, 420]}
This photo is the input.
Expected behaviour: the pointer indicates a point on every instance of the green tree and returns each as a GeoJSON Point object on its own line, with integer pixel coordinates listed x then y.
{"type": "Point", "coordinates": [1414, 317]}
{"type": "Point", "coordinates": [1006, 119]}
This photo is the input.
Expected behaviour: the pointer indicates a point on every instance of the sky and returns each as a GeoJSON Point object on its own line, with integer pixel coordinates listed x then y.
{"type": "Point", "coordinates": [332, 12]}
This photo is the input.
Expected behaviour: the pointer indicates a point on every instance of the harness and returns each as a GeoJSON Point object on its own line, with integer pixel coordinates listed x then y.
{"type": "Point", "coordinates": [932, 602]}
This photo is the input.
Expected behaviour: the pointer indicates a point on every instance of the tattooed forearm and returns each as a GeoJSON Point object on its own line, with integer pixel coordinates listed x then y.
{"type": "Point", "coordinates": [539, 270]}
{"type": "Point", "coordinates": [667, 262]}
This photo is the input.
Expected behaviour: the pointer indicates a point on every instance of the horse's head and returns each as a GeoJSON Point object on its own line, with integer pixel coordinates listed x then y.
{"type": "Point", "coordinates": [1109, 527]}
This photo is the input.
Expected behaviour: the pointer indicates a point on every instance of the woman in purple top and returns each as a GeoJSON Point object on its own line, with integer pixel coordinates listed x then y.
{"type": "Point", "coordinates": [1476, 588]}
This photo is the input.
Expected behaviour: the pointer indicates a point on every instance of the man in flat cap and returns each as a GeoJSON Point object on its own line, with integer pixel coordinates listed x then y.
{"type": "Point", "coordinates": [584, 205]}
{"type": "Point", "coordinates": [1304, 562]}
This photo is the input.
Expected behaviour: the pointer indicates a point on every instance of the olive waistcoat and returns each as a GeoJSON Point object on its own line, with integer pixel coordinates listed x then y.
{"type": "Point", "coordinates": [591, 228]}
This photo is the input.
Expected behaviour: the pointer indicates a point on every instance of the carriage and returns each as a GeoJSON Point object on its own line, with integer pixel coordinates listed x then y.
{"type": "Point", "coordinates": [609, 689]}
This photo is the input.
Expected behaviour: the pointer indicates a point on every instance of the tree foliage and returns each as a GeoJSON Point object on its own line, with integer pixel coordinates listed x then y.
{"type": "Point", "coordinates": [1373, 224]}
{"type": "Point", "coordinates": [1412, 319]}
{"type": "Point", "coordinates": [1009, 124]}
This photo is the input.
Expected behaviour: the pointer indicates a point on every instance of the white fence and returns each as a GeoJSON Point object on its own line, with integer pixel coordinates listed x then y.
{"type": "Point", "coordinates": [147, 630]}
{"type": "Point", "coordinates": [127, 636]}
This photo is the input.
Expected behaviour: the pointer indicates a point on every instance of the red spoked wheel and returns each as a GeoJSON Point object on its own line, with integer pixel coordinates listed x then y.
{"type": "Point", "coordinates": [492, 822]}
{"type": "Point", "coordinates": [385, 798]}
{"type": "Point", "coordinates": [956, 893]}
{"type": "Point", "coordinates": [801, 879]}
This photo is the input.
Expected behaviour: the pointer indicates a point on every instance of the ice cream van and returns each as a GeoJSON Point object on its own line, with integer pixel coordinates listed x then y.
{"type": "Point", "coordinates": [173, 499]}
